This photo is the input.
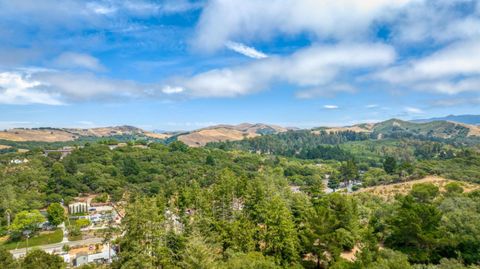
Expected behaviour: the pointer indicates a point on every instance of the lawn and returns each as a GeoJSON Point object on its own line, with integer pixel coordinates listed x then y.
{"type": "Point", "coordinates": [42, 239]}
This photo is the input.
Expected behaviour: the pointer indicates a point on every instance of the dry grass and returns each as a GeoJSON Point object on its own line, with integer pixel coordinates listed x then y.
{"type": "Point", "coordinates": [4, 147]}
{"type": "Point", "coordinates": [225, 132]}
{"type": "Point", "coordinates": [20, 135]}
{"type": "Point", "coordinates": [202, 137]}
{"type": "Point", "coordinates": [389, 191]}
{"type": "Point", "coordinates": [355, 128]}
{"type": "Point", "coordinates": [70, 134]}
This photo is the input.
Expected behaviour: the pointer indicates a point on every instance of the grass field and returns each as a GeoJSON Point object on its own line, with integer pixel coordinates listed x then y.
{"type": "Point", "coordinates": [42, 239]}
{"type": "Point", "coordinates": [389, 191]}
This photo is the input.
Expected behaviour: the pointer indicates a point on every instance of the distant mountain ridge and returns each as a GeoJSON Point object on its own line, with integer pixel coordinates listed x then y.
{"type": "Point", "coordinates": [397, 128]}
{"type": "Point", "coordinates": [393, 128]}
{"type": "Point", "coordinates": [467, 119]}
{"type": "Point", "coordinates": [47, 134]}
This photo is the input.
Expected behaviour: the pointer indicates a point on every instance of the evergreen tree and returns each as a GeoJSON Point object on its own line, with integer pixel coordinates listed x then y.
{"type": "Point", "coordinates": [390, 165]}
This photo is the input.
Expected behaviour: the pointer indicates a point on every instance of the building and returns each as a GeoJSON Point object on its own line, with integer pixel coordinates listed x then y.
{"type": "Point", "coordinates": [80, 259]}
{"type": "Point", "coordinates": [64, 152]}
{"type": "Point", "coordinates": [102, 257]}
{"type": "Point", "coordinates": [18, 161]}
{"type": "Point", "coordinates": [78, 207]}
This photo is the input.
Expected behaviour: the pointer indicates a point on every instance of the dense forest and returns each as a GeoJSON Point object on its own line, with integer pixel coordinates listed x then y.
{"type": "Point", "coordinates": [262, 203]}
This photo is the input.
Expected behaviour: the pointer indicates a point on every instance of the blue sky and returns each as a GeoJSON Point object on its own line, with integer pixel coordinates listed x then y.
{"type": "Point", "coordinates": [179, 64]}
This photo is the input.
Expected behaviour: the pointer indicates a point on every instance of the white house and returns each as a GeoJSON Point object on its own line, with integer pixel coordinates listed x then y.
{"type": "Point", "coordinates": [78, 207]}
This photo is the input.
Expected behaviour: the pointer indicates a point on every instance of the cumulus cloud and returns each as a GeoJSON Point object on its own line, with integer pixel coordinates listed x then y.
{"type": "Point", "coordinates": [53, 87]}
{"type": "Point", "coordinates": [451, 70]}
{"type": "Point", "coordinates": [78, 60]}
{"type": "Point", "coordinates": [245, 50]}
{"type": "Point", "coordinates": [255, 19]}
{"type": "Point", "coordinates": [313, 67]}
{"type": "Point", "coordinates": [17, 88]}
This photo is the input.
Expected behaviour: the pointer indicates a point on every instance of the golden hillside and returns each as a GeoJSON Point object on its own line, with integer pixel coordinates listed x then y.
{"type": "Point", "coordinates": [70, 134]}
{"type": "Point", "coordinates": [220, 133]}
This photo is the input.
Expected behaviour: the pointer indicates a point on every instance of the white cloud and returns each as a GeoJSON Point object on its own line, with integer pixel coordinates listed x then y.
{"type": "Point", "coordinates": [330, 107]}
{"type": "Point", "coordinates": [311, 67]}
{"type": "Point", "coordinates": [78, 60]}
{"type": "Point", "coordinates": [325, 91]}
{"type": "Point", "coordinates": [245, 50]}
{"type": "Point", "coordinates": [413, 110]}
{"type": "Point", "coordinates": [451, 70]}
{"type": "Point", "coordinates": [172, 90]}
{"type": "Point", "coordinates": [435, 21]}
{"type": "Point", "coordinates": [257, 19]}
{"type": "Point", "coordinates": [51, 87]}
{"type": "Point", "coordinates": [371, 106]}
{"type": "Point", "coordinates": [461, 58]}
{"type": "Point", "coordinates": [16, 88]}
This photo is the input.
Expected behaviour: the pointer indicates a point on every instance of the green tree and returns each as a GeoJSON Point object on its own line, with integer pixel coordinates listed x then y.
{"type": "Point", "coordinates": [333, 183]}
{"type": "Point", "coordinates": [250, 260]}
{"type": "Point", "coordinates": [130, 166]}
{"type": "Point", "coordinates": [389, 259]}
{"type": "Point", "coordinates": [198, 254]}
{"type": "Point", "coordinates": [58, 171]}
{"type": "Point", "coordinates": [390, 165]}
{"type": "Point", "coordinates": [210, 160]}
{"type": "Point", "coordinates": [143, 244]}
{"type": "Point", "coordinates": [453, 188]}
{"type": "Point", "coordinates": [39, 259]}
{"type": "Point", "coordinates": [178, 146]}
{"type": "Point", "coordinates": [424, 192]}
{"type": "Point", "coordinates": [277, 230]}
{"type": "Point", "coordinates": [414, 229]}
{"type": "Point", "coordinates": [6, 260]}
{"type": "Point", "coordinates": [27, 220]}
{"type": "Point", "coordinates": [349, 171]}
{"type": "Point", "coordinates": [56, 214]}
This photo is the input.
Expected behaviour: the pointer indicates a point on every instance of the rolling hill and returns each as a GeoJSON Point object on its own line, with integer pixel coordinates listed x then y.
{"type": "Point", "coordinates": [396, 128]}
{"type": "Point", "coordinates": [222, 132]}
{"type": "Point", "coordinates": [467, 119]}
{"type": "Point", "coordinates": [71, 134]}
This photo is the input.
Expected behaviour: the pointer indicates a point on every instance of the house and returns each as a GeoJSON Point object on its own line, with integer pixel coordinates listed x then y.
{"type": "Point", "coordinates": [78, 207]}
{"type": "Point", "coordinates": [64, 152]}
{"type": "Point", "coordinates": [295, 189]}
{"type": "Point", "coordinates": [104, 256]}
{"type": "Point", "coordinates": [18, 161]}
{"type": "Point", "coordinates": [173, 222]}
{"type": "Point", "coordinates": [80, 259]}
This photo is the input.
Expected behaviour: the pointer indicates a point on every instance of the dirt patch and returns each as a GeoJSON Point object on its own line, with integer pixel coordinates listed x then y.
{"type": "Point", "coordinates": [350, 255]}
{"type": "Point", "coordinates": [389, 191]}
{"type": "Point", "coordinates": [4, 147]}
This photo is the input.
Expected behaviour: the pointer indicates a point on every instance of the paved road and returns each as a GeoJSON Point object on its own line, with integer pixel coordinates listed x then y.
{"type": "Point", "coordinates": [57, 247]}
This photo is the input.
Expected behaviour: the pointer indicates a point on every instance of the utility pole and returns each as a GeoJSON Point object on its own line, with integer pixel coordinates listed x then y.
{"type": "Point", "coordinates": [27, 234]}
{"type": "Point", "coordinates": [7, 213]}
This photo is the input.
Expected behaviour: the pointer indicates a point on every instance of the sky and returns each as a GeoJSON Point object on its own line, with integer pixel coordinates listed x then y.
{"type": "Point", "coordinates": [182, 65]}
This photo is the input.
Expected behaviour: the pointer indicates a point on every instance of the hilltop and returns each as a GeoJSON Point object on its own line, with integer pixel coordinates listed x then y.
{"type": "Point", "coordinates": [225, 132]}
{"type": "Point", "coordinates": [395, 128]}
